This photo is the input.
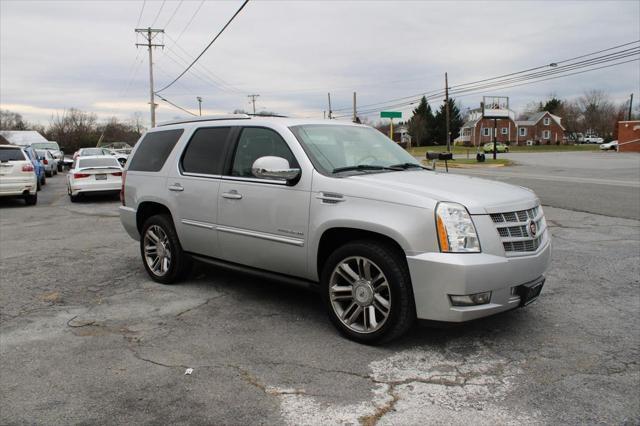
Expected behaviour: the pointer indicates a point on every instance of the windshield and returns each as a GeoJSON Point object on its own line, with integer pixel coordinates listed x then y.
{"type": "Point", "coordinates": [333, 148]}
{"type": "Point", "coordinates": [46, 145]}
{"type": "Point", "coordinates": [97, 162]}
{"type": "Point", "coordinates": [11, 154]}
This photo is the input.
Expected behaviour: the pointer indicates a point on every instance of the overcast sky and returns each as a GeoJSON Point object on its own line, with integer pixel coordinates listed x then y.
{"type": "Point", "coordinates": [57, 55]}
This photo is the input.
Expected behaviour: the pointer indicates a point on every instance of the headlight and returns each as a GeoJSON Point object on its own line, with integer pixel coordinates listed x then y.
{"type": "Point", "coordinates": [456, 232]}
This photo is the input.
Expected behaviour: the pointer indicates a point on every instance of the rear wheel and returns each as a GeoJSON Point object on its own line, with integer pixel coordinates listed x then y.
{"type": "Point", "coordinates": [367, 291]}
{"type": "Point", "coordinates": [161, 252]}
{"type": "Point", "coordinates": [31, 199]}
{"type": "Point", "coordinates": [43, 180]}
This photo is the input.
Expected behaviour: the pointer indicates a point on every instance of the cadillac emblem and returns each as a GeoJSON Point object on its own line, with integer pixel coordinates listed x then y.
{"type": "Point", "coordinates": [533, 229]}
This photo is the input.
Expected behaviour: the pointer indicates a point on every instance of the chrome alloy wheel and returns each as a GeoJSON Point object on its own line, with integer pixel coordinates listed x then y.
{"type": "Point", "coordinates": [360, 294]}
{"type": "Point", "coordinates": [157, 252]}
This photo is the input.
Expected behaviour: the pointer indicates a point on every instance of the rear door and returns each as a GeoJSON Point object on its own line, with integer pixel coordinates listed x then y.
{"type": "Point", "coordinates": [263, 223]}
{"type": "Point", "coordinates": [193, 188]}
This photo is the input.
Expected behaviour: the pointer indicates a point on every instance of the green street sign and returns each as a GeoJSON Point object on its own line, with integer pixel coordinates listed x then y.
{"type": "Point", "coordinates": [390, 114]}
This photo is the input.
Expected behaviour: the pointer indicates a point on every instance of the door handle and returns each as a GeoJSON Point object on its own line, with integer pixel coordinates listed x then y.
{"type": "Point", "coordinates": [232, 195]}
{"type": "Point", "coordinates": [176, 187]}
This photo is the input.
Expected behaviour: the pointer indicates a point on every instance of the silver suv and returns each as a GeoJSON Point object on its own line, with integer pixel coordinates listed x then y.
{"type": "Point", "coordinates": [338, 207]}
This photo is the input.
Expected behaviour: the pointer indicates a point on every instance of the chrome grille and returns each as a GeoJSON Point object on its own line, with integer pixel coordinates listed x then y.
{"type": "Point", "coordinates": [513, 230]}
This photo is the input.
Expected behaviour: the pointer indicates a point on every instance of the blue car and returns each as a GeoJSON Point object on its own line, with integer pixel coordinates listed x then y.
{"type": "Point", "coordinates": [37, 165]}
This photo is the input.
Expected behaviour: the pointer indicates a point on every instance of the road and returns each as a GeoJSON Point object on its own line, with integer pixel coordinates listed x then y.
{"type": "Point", "coordinates": [605, 183]}
{"type": "Point", "coordinates": [86, 337]}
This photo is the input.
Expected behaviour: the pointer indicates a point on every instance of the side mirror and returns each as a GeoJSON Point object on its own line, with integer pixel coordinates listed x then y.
{"type": "Point", "coordinates": [274, 168]}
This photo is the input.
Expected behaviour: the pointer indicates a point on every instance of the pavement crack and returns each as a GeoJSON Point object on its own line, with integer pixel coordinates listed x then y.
{"type": "Point", "coordinates": [206, 302]}
{"type": "Point", "coordinates": [381, 410]}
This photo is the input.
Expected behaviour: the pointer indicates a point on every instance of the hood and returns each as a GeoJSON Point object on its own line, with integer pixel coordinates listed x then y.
{"type": "Point", "coordinates": [479, 196]}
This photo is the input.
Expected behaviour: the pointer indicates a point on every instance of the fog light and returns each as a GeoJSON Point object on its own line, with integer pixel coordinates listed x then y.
{"type": "Point", "coordinates": [471, 299]}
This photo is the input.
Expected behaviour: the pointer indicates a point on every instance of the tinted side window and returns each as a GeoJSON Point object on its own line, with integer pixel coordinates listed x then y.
{"type": "Point", "coordinates": [205, 151]}
{"type": "Point", "coordinates": [258, 142]}
{"type": "Point", "coordinates": [154, 149]}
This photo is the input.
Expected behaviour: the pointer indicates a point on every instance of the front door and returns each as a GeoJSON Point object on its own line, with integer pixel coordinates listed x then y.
{"type": "Point", "coordinates": [263, 222]}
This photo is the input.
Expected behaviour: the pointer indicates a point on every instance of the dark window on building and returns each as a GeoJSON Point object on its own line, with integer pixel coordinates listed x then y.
{"type": "Point", "coordinates": [205, 151]}
{"type": "Point", "coordinates": [154, 149]}
{"type": "Point", "coordinates": [256, 142]}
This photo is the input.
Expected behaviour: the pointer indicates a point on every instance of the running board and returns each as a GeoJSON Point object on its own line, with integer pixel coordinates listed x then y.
{"type": "Point", "coordinates": [259, 273]}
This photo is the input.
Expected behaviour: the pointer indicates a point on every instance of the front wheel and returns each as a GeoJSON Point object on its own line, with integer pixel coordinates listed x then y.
{"type": "Point", "coordinates": [161, 252]}
{"type": "Point", "coordinates": [367, 291]}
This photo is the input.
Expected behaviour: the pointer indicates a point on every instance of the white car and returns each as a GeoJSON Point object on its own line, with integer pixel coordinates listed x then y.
{"type": "Point", "coordinates": [609, 146]}
{"type": "Point", "coordinates": [17, 175]}
{"type": "Point", "coordinates": [593, 139]}
{"type": "Point", "coordinates": [94, 174]}
{"type": "Point", "coordinates": [48, 161]}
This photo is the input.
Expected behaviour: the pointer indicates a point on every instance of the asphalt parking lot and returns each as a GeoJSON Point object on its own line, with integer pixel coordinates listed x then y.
{"type": "Point", "coordinates": [86, 337]}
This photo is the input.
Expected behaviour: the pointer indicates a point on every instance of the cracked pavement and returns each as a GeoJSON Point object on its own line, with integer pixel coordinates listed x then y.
{"type": "Point", "coordinates": [86, 337]}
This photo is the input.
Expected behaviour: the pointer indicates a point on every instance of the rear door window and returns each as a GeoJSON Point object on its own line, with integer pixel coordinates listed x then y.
{"type": "Point", "coordinates": [205, 152]}
{"type": "Point", "coordinates": [11, 154]}
{"type": "Point", "coordinates": [154, 149]}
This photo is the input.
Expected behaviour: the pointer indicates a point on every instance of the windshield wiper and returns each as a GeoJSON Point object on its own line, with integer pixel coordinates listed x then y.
{"type": "Point", "coordinates": [406, 166]}
{"type": "Point", "coordinates": [362, 167]}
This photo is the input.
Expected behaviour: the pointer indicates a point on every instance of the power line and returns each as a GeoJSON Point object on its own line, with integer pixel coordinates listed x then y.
{"type": "Point", "coordinates": [474, 86]}
{"type": "Point", "coordinates": [190, 20]}
{"type": "Point", "coordinates": [174, 105]}
{"type": "Point", "coordinates": [141, 11]}
{"type": "Point", "coordinates": [208, 46]}
{"type": "Point", "coordinates": [159, 12]}
{"type": "Point", "coordinates": [500, 76]}
{"type": "Point", "coordinates": [173, 14]}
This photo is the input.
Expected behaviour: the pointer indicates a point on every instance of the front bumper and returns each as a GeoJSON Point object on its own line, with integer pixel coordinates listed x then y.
{"type": "Point", "coordinates": [435, 276]}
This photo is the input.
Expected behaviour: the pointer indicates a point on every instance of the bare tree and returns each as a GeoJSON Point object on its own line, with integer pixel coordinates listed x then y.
{"type": "Point", "coordinates": [73, 129]}
{"type": "Point", "coordinates": [598, 112]}
{"type": "Point", "coordinates": [10, 120]}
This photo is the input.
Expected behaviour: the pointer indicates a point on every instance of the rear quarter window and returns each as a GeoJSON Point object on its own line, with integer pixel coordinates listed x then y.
{"type": "Point", "coordinates": [154, 149]}
{"type": "Point", "coordinates": [206, 150]}
{"type": "Point", "coordinates": [11, 154]}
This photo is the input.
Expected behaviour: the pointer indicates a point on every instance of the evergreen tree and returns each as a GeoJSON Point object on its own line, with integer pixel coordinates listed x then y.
{"type": "Point", "coordinates": [553, 105]}
{"type": "Point", "coordinates": [455, 123]}
{"type": "Point", "coordinates": [421, 123]}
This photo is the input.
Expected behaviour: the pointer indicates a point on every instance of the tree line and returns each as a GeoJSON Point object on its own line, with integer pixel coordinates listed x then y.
{"type": "Point", "coordinates": [75, 129]}
{"type": "Point", "coordinates": [427, 128]}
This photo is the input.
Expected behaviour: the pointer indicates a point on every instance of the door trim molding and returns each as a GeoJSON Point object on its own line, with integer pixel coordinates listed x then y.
{"type": "Point", "coordinates": [262, 235]}
{"type": "Point", "coordinates": [198, 224]}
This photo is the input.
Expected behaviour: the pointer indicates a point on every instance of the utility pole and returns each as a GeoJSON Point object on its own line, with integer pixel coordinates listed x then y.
{"type": "Point", "coordinates": [329, 96]}
{"type": "Point", "coordinates": [630, 104]}
{"type": "Point", "coordinates": [253, 101]}
{"type": "Point", "coordinates": [149, 34]}
{"type": "Point", "coordinates": [446, 100]}
{"type": "Point", "coordinates": [199, 104]}
{"type": "Point", "coordinates": [355, 115]}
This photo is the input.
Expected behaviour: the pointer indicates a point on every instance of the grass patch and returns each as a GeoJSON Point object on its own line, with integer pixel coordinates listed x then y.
{"type": "Point", "coordinates": [421, 150]}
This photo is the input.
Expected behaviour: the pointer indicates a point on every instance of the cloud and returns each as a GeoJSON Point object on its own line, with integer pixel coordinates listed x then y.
{"type": "Point", "coordinates": [61, 54]}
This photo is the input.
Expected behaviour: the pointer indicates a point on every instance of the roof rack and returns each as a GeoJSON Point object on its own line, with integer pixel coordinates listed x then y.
{"type": "Point", "coordinates": [207, 118]}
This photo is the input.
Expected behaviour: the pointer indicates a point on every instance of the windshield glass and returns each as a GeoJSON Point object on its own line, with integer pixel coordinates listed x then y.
{"type": "Point", "coordinates": [98, 162]}
{"type": "Point", "coordinates": [46, 145]}
{"type": "Point", "coordinates": [11, 154]}
{"type": "Point", "coordinates": [332, 147]}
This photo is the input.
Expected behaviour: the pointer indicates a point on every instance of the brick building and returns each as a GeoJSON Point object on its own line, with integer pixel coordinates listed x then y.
{"type": "Point", "coordinates": [629, 136]}
{"type": "Point", "coordinates": [540, 129]}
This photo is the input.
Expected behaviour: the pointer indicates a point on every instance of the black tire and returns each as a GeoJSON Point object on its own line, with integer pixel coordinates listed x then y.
{"type": "Point", "coordinates": [59, 167]}
{"type": "Point", "coordinates": [44, 180]}
{"type": "Point", "coordinates": [74, 198]}
{"type": "Point", "coordinates": [31, 200]}
{"type": "Point", "coordinates": [55, 171]}
{"type": "Point", "coordinates": [38, 185]}
{"type": "Point", "coordinates": [180, 263]}
{"type": "Point", "coordinates": [48, 174]}
{"type": "Point", "coordinates": [392, 264]}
